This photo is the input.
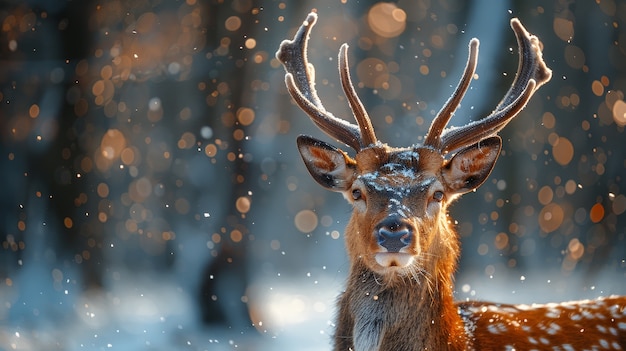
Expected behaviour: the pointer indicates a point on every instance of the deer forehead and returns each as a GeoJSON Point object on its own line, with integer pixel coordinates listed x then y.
{"type": "Point", "coordinates": [404, 163]}
{"type": "Point", "coordinates": [398, 172]}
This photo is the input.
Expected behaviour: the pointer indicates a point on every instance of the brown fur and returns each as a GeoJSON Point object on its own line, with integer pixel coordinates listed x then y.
{"type": "Point", "coordinates": [399, 308]}
{"type": "Point", "coordinates": [412, 307]}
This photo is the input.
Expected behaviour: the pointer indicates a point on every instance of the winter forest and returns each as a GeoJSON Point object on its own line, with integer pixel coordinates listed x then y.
{"type": "Point", "coordinates": [153, 198]}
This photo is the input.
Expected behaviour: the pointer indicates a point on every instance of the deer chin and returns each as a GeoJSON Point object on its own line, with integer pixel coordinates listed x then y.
{"type": "Point", "coordinates": [391, 260]}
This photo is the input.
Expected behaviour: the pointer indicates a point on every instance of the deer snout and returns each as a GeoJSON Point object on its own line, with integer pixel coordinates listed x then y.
{"type": "Point", "coordinates": [394, 233]}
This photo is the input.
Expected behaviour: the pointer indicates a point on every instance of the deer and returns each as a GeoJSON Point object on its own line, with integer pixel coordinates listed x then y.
{"type": "Point", "coordinates": [401, 243]}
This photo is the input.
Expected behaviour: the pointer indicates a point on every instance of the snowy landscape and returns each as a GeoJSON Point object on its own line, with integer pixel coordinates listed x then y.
{"type": "Point", "coordinates": [152, 196]}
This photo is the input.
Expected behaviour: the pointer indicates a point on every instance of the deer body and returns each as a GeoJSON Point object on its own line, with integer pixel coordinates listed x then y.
{"type": "Point", "coordinates": [403, 248]}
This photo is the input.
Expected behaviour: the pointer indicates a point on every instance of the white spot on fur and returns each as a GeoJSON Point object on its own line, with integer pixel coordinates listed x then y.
{"type": "Point", "coordinates": [604, 343]}
{"type": "Point", "coordinates": [553, 329]}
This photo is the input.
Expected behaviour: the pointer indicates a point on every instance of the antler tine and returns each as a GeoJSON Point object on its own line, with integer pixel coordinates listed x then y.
{"type": "Point", "coordinates": [532, 72]}
{"type": "Point", "coordinates": [443, 117]}
{"type": "Point", "coordinates": [535, 68]}
{"type": "Point", "coordinates": [300, 81]}
{"type": "Point", "coordinates": [368, 137]}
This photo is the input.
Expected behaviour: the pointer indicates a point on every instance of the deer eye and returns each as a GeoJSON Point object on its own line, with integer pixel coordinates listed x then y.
{"type": "Point", "coordinates": [356, 194]}
{"type": "Point", "coordinates": [438, 196]}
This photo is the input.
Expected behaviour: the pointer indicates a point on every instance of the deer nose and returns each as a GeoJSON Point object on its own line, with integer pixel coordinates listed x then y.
{"type": "Point", "coordinates": [394, 233]}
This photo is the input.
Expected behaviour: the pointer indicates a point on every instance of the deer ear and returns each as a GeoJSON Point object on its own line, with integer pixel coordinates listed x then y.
{"type": "Point", "coordinates": [470, 167]}
{"type": "Point", "coordinates": [330, 167]}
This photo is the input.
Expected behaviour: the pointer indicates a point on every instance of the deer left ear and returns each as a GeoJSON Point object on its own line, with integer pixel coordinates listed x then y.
{"type": "Point", "coordinates": [330, 167]}
{"type": "Point", "coordinates": [470, 167]}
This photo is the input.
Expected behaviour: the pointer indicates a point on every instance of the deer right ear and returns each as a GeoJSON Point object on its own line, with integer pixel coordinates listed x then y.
{"type": "Point", "coordinates": [470, 167]}
{"type": "Point", "coordinates": [330, 167]}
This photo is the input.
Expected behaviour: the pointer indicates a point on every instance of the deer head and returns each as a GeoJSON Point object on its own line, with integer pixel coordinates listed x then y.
{"type": "Point", "coordinates": [399, 225]}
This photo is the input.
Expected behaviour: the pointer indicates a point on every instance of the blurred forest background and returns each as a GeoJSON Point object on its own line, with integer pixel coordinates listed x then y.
{"type": "Point", "coordinates": [152, 196]}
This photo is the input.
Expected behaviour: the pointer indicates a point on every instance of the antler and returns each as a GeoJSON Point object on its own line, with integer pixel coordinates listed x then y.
{"type": "Point", "coordinates": [532, 72]}
{"type": "Point", "coordinates": [443, 117]}
{"type": "Point", "coordinates": [300, 81]}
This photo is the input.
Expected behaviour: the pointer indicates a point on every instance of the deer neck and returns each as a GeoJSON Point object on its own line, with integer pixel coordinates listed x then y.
{"type": "Point", "coordinates": [406, 312]}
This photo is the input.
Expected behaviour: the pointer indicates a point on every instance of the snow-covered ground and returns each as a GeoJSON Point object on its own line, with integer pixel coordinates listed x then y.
{"type": "Point", "coordinates": [152, 312]}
